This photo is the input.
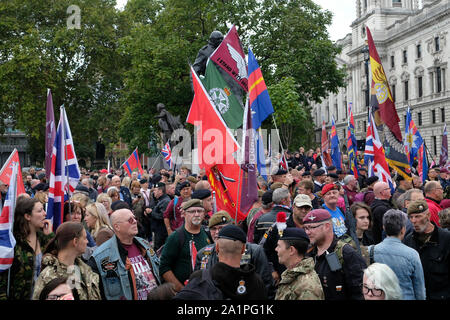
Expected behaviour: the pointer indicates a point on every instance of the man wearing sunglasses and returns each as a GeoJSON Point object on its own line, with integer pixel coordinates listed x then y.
{"type": "Point", "coordinates": [179, 252]}
{"type": "Point", "coordinates": [339, 266]}
{"type": "Point", "coordinates": [127, 266]}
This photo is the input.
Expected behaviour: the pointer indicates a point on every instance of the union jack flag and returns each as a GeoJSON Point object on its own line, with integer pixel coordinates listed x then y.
{"type": "Point", "coordinates": [167, 154]}
{"type": "Point", "coordinates": [368, 151]}
{"type": "Point", "coordinates": [380, 165]}
{"type": "Point", "coordinates": [7, 240]}
{"type": "Point", "coordinates": [65, 173]}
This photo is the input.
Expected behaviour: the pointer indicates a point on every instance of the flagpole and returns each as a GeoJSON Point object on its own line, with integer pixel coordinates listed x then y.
{"type": "Point", "coordinates": [244, 125]}
{"type": "Point", "coordinates": [279, 138]}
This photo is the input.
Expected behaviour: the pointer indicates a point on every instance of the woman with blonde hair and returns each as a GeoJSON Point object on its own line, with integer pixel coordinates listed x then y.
{"type": "Point", "coordinates": [126, 182]}
{"type": "Point", "coordinates": [106, 201]}
{"type": "Point", "coordinates": [96, 218]}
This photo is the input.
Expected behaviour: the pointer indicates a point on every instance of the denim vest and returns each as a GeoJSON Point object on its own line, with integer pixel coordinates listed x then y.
{"type": "Point", "coordinates": [112, 270]}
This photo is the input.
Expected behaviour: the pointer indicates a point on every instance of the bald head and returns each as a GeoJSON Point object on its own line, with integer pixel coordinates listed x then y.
{"type": "Point", "coordinates": [382, 190]}
{"type": "Point", "coordinates": [119, 216]}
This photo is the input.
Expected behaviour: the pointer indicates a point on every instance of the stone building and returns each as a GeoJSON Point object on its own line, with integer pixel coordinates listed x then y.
{"type": "Point", "coordinates": [413, 41]}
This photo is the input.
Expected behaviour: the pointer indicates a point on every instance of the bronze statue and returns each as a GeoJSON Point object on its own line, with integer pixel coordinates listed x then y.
{"type": "Point", "coordinates": [167, 122]}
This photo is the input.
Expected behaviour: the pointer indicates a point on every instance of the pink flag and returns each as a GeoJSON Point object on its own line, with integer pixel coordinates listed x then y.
{"type": "Point", "coordinates": [231, 58]}
{"type": "Point", "coordinates": [50, 133]}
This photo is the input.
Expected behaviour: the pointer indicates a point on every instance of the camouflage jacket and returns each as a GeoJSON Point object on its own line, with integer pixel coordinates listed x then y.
{"type": "Point", "coordinates": [80, 277]}
{"type": "Point", "coordinates": [300, 283]}
{"type": "Point", "coordinates": [22, 270]}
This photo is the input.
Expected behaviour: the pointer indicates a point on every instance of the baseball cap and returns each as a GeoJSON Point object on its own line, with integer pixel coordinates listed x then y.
{"type": "Point", "coordinates": [302, 200]}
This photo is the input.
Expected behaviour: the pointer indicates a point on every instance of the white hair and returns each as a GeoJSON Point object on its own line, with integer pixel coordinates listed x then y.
{"type": "Point", "coordinates": [382, 276]}
{"type": "Point", "coordinates": [348, 179]}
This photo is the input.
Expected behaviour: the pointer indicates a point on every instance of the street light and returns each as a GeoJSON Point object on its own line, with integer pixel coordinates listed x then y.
{"type": "Point", "coordinates": [365, 52]}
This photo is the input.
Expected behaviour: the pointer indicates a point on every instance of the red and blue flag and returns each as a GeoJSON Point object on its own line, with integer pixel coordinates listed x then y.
{"type": "Point", "coordinates": [65, 173]}
{"type": "Point", "coordinates": [132, 163]}
{"type": "Point", "coordinates": [335, 151]}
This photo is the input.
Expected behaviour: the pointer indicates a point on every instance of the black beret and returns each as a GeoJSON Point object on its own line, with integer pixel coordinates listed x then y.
{"type": "Point", "coordinates": [184, 185]}
{"type": "Point", "coordinates": [201, 194]}
{"type": "Point", "coordinates": [331, 168]}
{"type": "Point", "coordinates": [339, 171]}
{"type": "Point", "coordinates": [156, 178]}
{"type": "Point", "coordinates": [119, 204]}
{"type": "Point", "coordinates": [371, 180]}
{"type": "Point", "coordinates": [41, 176]}
{"type": "Point", "coordinates": [319, 172]}
{"type": "Point", "coordinates": [82, 188]}
{"type": "Point", "coordinates": [280, 172]}
{"type": "Point", "coordinates": [160, 185]}
{"type": "Point", "coordinates": [142, 181]}
{"type": "Point", "coordinates": [306, 173]}
{"type": "Point", "coordinates": [294, 234]}
{"type": "Point", "coordinates": [233, 232]}
{"type": "Point", "coordinates": [267, 197]}
{"type": "Point", "coordinates": [42, 187]}
{"type": "Point", "coordinates": [333, 175]}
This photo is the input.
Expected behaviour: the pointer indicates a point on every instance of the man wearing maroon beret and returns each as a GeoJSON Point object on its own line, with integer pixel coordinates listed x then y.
{"type": "Point", "coordinates": [330, 195]}
{"type": "Point", "coordinates": [339, 266]}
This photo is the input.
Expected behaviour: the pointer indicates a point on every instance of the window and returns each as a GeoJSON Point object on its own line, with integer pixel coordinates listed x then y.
{"type": "Point", "coordinates": [420, 86]}
{"type": "Point", "coordinates": [438, 79]}
{"type": "Point", "coordinates": [433, 116]}
{"type": "Point", "coordinates": [437, 44]}
{"type": "Point", "coordinates": [406, 90]}
{"type": "Point", "coordinates": [405, 56]}
{"type": "Point", "coordinates": [392, 62]}
{"type": "Point", "coordinates": [434, 145]}
{"type": "Point", "coordinates": [365, 126]}
{"type": "Point", "coordinates": [396, 3]}
{"type": "Point", "coordinates": [419, 118]}
{"type": "Point", "coordinates": [442, 114]}
{"type": "Point", "coordinates": [419, 51]}
{"type": "Point", "coordinates": [393, 92]}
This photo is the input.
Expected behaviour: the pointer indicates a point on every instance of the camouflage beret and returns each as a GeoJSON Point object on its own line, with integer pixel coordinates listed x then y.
{"type": "Point", "coordinates": [192, 203]}
{"type": "Point", "coordinates": [418, 206]}
{"type": "Point", "coordinates": [219, 218]}
{"type": "Point", "coordinates": [276, 185]}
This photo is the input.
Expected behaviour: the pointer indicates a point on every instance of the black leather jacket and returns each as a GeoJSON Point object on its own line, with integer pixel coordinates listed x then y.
{"type": "Point", "coordinates": [435, 257]}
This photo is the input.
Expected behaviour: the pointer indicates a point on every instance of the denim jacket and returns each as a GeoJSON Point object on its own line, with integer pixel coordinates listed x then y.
{"type": "Point", "coordinates": [108, 262]}
{"type": "Point", "coordinates": [406, 264]}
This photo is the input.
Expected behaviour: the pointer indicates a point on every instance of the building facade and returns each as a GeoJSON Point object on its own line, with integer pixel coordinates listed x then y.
{"type": "Point", "coordinates": [413, 42]}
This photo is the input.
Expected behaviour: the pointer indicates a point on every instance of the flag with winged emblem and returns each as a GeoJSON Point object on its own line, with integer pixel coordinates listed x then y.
{"type": "Point", "coordinates": [65, 173]}
{"type": "Point", "coordinates": [225, 100]}
{"type": "Point", "coordinates": [230, 56]}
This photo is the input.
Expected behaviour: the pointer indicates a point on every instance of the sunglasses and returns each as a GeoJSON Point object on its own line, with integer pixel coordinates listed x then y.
{"type": "Point", "coordinates": [306, 228]}
{"type": "Point", "coordinates": [375, 292]}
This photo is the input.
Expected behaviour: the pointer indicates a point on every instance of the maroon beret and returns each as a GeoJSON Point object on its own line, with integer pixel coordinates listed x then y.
{"type": "Point", "coordinates": [316, 215]}
{"type": "Point", "coordinates": [328, 187]}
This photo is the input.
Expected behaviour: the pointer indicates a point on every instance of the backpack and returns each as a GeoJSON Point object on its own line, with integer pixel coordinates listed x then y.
{"type": "Point", "coordinates": [201, 287]}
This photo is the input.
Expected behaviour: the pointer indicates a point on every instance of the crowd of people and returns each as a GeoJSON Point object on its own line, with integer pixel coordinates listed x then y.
{"type": "Point", "coordinates": [315, 233]}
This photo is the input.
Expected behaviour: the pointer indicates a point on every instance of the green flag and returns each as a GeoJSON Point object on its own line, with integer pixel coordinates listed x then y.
{"type": "Point", "coordinates": [226, 102]}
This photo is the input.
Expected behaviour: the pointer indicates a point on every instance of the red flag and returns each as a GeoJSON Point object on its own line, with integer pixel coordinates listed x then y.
{"type": "Point", "coordinates": [230, 56]}
{"type": "Point", "coordinates": [6, 171]}
{"type": "Point", "coordinates": [216, 146]}
{"type": "Point", "coordinates": [326, 157]}
{"type": "Point", "coordinates": [386, 104]}
{"type": "Point", "coordinates": [132, 163]}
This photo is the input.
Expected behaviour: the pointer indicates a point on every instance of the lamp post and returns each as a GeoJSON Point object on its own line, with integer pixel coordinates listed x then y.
{"type": "Point", "coordinates": [365, 52]}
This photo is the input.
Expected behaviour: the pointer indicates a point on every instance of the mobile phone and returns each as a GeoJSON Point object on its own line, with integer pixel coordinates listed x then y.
{"type": "Point", "coordinates": [45, 225]}
{"type": "Point", "coordinates": [333, 261]}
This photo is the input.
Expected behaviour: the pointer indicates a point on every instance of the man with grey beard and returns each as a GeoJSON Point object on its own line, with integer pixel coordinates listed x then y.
{"type": "Point", "coordinates": [179, 252]}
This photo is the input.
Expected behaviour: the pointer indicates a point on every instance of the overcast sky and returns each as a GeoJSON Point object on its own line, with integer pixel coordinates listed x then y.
{"type": "Point", "coordinates": [344, 12]}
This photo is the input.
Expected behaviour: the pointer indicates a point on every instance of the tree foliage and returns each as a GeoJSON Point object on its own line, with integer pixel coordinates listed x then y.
{"type": "Point", "coordinates": [112, 72]}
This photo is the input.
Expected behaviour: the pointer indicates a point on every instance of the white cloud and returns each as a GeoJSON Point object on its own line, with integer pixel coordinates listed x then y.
{"type": "Point", "coordinates": [344, 13]}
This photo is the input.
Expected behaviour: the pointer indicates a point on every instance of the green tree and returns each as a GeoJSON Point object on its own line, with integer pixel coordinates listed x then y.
{"type": "Point", "coordinates": [81, 66]}
{"type": "Point", "coordinates": [293, 119]}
